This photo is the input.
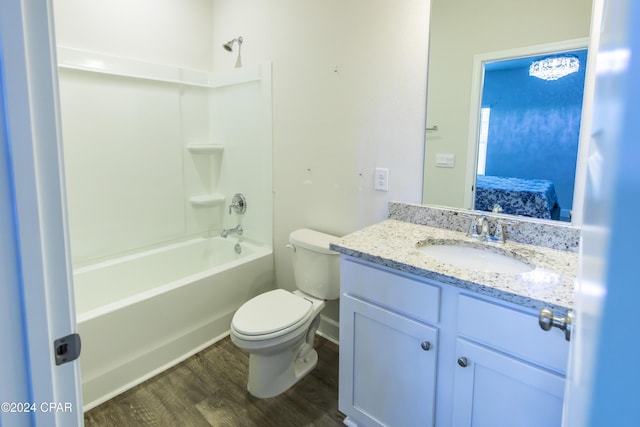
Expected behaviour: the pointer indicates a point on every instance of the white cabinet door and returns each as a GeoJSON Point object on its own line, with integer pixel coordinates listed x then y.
{"type": "Point", "coordinates": [387, 366]}
{"type": "Point", "coordinates": [495, 390]}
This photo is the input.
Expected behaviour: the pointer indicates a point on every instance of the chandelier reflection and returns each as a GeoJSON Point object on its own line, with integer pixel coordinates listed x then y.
{"type": "Point", "coordinates": [555, 67]}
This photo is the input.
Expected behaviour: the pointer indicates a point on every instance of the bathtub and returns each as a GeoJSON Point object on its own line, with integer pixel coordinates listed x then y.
{"type": "Point", "coordinates": [143, 313]}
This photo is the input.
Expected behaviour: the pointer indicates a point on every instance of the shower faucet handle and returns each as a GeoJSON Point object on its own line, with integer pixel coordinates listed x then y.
{"type": "Point", "coordinates": [238, 204]}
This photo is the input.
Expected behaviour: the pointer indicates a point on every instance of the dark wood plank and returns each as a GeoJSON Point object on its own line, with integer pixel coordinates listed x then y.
{"type": "Point", "coordinates": [209, 389]}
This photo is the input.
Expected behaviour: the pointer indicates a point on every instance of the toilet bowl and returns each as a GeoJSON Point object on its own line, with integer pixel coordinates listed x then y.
{"type": "Point", "coordinates": [277, 328]}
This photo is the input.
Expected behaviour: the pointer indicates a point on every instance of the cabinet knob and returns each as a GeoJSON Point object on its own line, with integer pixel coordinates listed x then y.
{"type": "Point", "coordinates": [463, 361]}
{"type": "Point", "coordinates": [426, 345]}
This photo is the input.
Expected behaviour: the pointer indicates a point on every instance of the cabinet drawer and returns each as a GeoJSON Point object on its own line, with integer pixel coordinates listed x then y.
{"type": "Point", "coordinates": [512, 331]}
{"type": "Point", "coordinates": [413, 298]}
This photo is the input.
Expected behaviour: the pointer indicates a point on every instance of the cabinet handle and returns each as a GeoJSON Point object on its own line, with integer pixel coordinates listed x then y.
{"type": "Point", "coordinates": [426, 345]}
{"type": "Point", "coordinates": [546, 320]}
{"type": "Point", "coordinates": [463, 362]}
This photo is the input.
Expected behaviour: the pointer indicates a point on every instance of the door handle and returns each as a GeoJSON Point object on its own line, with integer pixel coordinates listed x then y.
{"type": "Point", "coordinates": [546, 320]}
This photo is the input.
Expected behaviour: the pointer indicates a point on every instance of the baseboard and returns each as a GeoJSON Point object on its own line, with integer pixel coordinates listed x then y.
{"type": "Point", "coordinates": [349, 422]}
{"type": "Point", "coordinates": [329, 329]}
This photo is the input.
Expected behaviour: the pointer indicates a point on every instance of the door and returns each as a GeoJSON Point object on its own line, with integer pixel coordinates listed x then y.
{"type": "Point", "coordinates": [492, 389]}
{"type": "Point", "coordinates": [387, 366]}
{"type": "Point", "coordinates": [13, 370]}
{"type": "Point", "coordinates": [602, 380]}
{"type": "Point", "coordinates": [36, 247]}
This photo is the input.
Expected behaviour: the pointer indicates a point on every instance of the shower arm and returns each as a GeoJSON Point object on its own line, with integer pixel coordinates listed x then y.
{"type": "Point", "coordinates": [229, 47]}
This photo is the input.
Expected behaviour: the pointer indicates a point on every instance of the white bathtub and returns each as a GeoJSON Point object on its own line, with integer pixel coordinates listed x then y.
{"type": "Point", "coordinates": [140, 314]}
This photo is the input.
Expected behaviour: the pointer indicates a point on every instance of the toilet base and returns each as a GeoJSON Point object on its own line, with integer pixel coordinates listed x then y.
{"type": "Point", "coordinates": [306, 364]}
{"type": "Point", "coordinates": [273, 374]}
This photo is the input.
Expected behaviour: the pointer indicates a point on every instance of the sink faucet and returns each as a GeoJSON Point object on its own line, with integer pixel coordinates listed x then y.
{"type": "Point", "coordinates": [480, 228]}
{"type": "Point", "coordinates": [237, 229]}
{"type": "Point", "coordinates": [483, 223]}
{"type": "Point", "coordinates": [473, 226]}
{"type": "Point", "coordinates": [499, 234]}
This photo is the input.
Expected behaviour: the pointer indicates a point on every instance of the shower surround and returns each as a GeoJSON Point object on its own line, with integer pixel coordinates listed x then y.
{"type": "Point", "coordinates": [153, 155]}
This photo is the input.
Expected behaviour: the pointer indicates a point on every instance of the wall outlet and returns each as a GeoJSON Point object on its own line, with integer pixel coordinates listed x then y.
{"type": "Point", "coordinates": [382, 179]}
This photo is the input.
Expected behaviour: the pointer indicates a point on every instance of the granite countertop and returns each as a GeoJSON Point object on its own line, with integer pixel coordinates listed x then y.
{"type": "Point", "coordinates": [393, 244]}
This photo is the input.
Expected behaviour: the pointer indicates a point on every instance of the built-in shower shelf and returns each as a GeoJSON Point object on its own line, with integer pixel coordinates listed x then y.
{"type": "Point", "coordinates": [205, 148]}
{"type": "Point", "coordinates": [206, 200]}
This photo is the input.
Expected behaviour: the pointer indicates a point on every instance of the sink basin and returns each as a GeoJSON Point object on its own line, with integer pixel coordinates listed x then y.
{"type": "Point", "coordinates": [474, 256]}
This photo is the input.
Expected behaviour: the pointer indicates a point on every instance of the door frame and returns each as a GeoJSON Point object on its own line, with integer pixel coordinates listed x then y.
{"type": "Point", "coordinates": [33, 143]}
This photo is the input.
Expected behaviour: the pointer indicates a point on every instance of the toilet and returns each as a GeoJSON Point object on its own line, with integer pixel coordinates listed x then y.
{"type": "Point", "coordinates": [277, 328]}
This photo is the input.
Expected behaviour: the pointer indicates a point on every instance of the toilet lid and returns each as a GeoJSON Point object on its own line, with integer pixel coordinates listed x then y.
{"type": "Point", "coordinates": [270, 312]}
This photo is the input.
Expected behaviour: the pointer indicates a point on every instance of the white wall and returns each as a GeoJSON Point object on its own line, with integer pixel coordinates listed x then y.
{"type": "Point", "coordinates": [170, 32]}
{"type": "Point", "coordinates": [349, 81]}
{"type": "Point", "coordinates": [460, 30]}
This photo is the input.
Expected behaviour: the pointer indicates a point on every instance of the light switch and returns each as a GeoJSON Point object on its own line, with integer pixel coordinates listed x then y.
{"type": "Point", "coordinates": [445, 160]}
{"type": "Point", "coordinates": [382, 179]}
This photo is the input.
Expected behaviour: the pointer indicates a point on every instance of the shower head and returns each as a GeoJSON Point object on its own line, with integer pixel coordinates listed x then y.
{"type": "Point", "coordinates": [229, 48]}
{"type": "Point", "coordinates": [229, 45]}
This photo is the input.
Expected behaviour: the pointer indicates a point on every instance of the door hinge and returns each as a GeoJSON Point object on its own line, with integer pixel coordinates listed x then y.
{"type": "Point", "coordinates": [67, 349]}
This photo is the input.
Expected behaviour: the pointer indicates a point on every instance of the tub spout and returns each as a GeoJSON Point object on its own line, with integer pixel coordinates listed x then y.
{"type": "Point", "coordinates": [238, 230]}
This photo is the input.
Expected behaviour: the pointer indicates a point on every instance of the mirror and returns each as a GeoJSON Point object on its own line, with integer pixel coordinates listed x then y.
{"type": "Point", "coordinates": [462, 33]}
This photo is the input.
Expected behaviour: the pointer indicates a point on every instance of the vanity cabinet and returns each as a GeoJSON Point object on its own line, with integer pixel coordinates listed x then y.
{"type": "Point", "coordinates": [418, 352]}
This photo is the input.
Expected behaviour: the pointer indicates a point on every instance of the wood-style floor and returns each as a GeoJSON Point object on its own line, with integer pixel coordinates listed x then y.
{"type": "Point", "coordinates": [209, 389]}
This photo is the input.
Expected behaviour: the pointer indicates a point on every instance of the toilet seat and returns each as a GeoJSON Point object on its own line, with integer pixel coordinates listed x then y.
{"type": "Point", "coordinates": [272, 313]}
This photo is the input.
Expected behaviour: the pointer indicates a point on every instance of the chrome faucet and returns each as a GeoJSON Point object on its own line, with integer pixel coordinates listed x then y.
{"type": "Point", "coordinates": [483, 223]}
{"type": "Point", "coordinates": [238, 204]}
{"type": "Point", "coordinates": [237, 229]}
{"type": "Point", "coordinates": [499, 234]}
{"type": "Point", "coordinates": [473, 226]}
{"type": "Point", "coordinates": [480, 228]}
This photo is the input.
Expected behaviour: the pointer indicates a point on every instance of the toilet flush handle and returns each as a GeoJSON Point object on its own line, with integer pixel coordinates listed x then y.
{"type": "Point", "coordinates": [290, 246]}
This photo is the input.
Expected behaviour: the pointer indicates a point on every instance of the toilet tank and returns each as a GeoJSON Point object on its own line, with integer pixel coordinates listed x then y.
{"type": "Point", "coordinates": [316, 267]}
